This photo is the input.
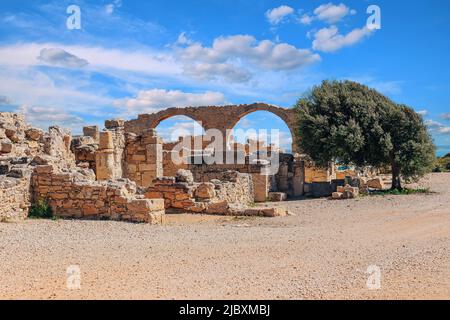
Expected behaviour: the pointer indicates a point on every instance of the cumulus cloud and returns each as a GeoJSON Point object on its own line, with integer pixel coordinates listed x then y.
{"type": "Point", "coordinates": [43, 117]}
{"type": "Point", "coordinates": [330, 40]}
{"type": "Point", "coordinates": [277, 15]}
{"type": "Point", "coordinates": [62, 58]}
{"type": "Point", "coordinates": [437, 127]}
{"type": "Point", "coordinates": [306, 19]}
{"type": "Point", "coordinates": [154, 100]}
{"type": "Point", "coordinates": [210, 71]}
{"type": "Point", "coordinates": [227, 55]}
{"type": "Point", "coordinates": [332, 13]}
{"type": "Point", "coordinates": [446, 116]}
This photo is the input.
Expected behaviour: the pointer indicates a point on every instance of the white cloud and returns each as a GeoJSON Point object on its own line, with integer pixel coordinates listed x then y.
{"type": "Point", "coordinates": [437, 127]}
{"type": "Point", "coordinates": [263, 54]}
{"type": "Point", "coordinates": [43, 117]}
{"type": "Point", "coordinates": [277, 15]}
{"type": "Point", "coordinates": [329, 39]}
{"type": "Point", "coordinates": [143, 61]}
{"type": "Point", "coordinates": [306, 19]}
{"type": "Point", "coordinates": [446, 116]}
{"type": "Point", "coordinates": [210, 71]}
{"type": "Point", "coordinates": [155, 100]}
{"type": "Point", "coordinates": [331, 13]}
{"type": "Point", "coordinates": [62, 58]}
{"type": "Point", "coordinates": [423, 113]}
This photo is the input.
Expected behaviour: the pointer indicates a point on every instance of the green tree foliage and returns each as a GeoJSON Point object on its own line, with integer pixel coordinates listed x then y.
{"type": "Point", "coordinates": [346, 122]}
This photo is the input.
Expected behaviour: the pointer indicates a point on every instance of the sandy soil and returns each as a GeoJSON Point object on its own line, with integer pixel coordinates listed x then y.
{"type": "Point", "coordinates": [322, 252]}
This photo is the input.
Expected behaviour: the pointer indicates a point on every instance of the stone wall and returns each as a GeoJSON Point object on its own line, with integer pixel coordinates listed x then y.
{"type": "Point", "coordinates": [143, 157]}
{"type": "Point", "coordinates": [75, 194]}
{"type": "Point", "coordinates": [260, 181]}
{"type": "Point", "coordinates": [14, 198]}
{"type": "Point", "coordinates": [233, 190]}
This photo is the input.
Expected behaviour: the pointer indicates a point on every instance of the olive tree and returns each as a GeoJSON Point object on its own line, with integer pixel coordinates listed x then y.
{"type": "Point", "coordinates": [346, 122]}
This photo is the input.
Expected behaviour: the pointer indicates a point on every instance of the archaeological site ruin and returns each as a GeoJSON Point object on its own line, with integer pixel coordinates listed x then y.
{"type": "Point", "coordinates": [126, 172]}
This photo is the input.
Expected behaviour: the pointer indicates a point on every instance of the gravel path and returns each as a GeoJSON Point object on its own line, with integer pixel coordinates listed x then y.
{"type": "Point", "coordinates": [322, 252]}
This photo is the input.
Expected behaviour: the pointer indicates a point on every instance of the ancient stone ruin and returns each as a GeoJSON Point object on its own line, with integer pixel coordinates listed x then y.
{"type": "Point", "coordinates": [125, 171]}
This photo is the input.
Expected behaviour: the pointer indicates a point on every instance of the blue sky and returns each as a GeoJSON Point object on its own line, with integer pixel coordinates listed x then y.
{"type": "Point", "coordinates": [132, 57]}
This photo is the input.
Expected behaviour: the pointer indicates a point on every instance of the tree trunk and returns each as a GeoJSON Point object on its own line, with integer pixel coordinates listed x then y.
{"type": "Point", "coordinates": [396, 181]}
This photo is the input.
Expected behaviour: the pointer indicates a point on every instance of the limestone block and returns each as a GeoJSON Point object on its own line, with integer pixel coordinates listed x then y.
{"type": "Point", "coordinates": [376, 183]}
{"type": "Point", "coordinates": [104, 162]}
{"type": "Point", "coordinates": [147, 167]}
{"type": "Point", "coordinates": [277, 196]}
{"type": "Point", "coordinates": [106, 140]}
{"type": "Point", "coordinates": [34, 134]}
{"type": "Point", "coordinates": [260, 187]}
{"type": "Point", "coordinates": [6, 147]}
{"type": "Point", "coordinates": [337, 195]}
{"type": "Point", "coordinates": [184, 176]}
{"type": "Point", "coordinates": [205, 191]}
{"type": "Point", "coordinates": [44, 169]}
{"type": "Point", "coordinates": [220, 207]}
{"type": "Point", "coordinates": [114, 123]}
{"type": "Point", "coordinates": [91, 131]}
{"type": "Point", "coordinates": [273, 212]}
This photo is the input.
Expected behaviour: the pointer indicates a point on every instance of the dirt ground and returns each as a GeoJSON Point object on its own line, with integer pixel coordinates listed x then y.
{"type": "Point", "coordinates": [322, 252]}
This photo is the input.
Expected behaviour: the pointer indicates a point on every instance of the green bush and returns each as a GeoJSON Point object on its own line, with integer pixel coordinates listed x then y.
{"type": "Point", "coordinates": [40, 210]}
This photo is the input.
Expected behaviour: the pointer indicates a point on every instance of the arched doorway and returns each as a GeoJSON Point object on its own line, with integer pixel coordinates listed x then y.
{"type": "Point", "coordinates": [182, 138]}
{"type": "Point", "coordinates": [180, 126]}
{"type": "Point", "coordinates": [264, 126]}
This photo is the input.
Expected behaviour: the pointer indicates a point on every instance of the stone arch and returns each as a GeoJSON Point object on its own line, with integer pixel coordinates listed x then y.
{"type": "Point", "coordinates": [222, 118]}
{"type": "Point", "coordinates": [186, 117]}
{"type": "Point", "coordinates": [287, 115]}
{"type": "Point", "coordinates": [160, 116]}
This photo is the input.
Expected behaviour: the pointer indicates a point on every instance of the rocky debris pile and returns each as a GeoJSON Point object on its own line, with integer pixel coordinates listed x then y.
{"type": "Point", "coordinates": [346, 192]}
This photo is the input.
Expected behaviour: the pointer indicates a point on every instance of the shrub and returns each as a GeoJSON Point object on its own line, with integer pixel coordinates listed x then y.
{"type": "Point", "coordinates": [40, 210]}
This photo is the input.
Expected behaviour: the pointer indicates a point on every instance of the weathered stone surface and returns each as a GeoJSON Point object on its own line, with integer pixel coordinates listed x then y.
{"type": "Point", "coordinates": [205, 191]}
{"type": "Point", "coordinates": [345, 192]}
{"type": "Point", "coordinates": [184, 176]}
{"type": "Point", "coordinates": [220, 207]}
{"type": "Point", "coordinates": [6, 147]}
{"type": "Point", "coordinates": [114, 123]}
{"type": "Point", "coordinates": [277, 196]}
{"type": "Point", "coordinates": [106, 140]}
{"type": "Point", "coordinates": [91, 131]}
{"type": "Point", "coordinates": [376, 183]}
{"type": "Point", "coordinates": [34, 134]}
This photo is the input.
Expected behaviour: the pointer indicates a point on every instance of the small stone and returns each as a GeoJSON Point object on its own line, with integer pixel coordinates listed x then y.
{"type": "Point", "coordinates": [184, 176]}
{"type": "Point", "coordinates": [376, 183]}
{"type": "Point", "coordinates": [6, 147]}
{"type": "Point", "coordinates": [34, 134]}
{"type": "Point", "coordinates": [337, 195]}
{"type": "Point", "coordinates": [205, 191]}
{"type": "Point", "coordinates": [277, 196]}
